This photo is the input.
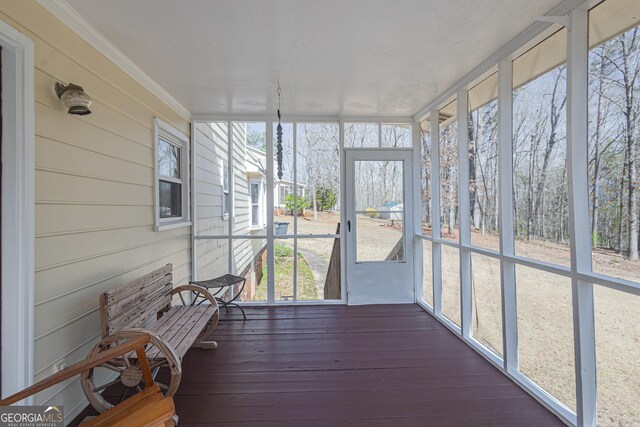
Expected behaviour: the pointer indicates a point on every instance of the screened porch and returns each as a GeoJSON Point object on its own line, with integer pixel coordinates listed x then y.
{"type": "Point", "coordinates": [432, 207]}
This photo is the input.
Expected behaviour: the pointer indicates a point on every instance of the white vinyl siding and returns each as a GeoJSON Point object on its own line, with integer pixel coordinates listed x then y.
{"type": "Point", "coordinates": [94, 209]}
{"type": "Point", "coordinates": [211, 163]}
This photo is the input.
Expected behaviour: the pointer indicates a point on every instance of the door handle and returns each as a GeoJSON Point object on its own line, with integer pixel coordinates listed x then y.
{"type": "Point", "coordinates": [349, 226]}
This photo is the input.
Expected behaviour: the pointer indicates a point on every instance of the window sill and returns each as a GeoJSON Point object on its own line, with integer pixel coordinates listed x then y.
{"type": "Point", "coordinates": [257, 227]}
{"type": "Point", "coordinates": [170, 225]}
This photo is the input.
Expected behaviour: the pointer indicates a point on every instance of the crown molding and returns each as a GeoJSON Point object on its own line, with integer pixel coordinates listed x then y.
{"type": "Point", "coordinates": [72, 19]}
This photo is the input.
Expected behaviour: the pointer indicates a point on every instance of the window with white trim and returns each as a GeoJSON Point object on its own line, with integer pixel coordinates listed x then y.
{"type": "Point", "coordinates": [226, 200]}
{"type": "Point", "coordinates": [172, 177]}
{"type": "Point", "coordinates": [256, 189]}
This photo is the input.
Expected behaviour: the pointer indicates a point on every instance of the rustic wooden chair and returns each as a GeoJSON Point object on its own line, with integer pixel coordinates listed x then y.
{"type": "Point", "coordinates": [147, 408]}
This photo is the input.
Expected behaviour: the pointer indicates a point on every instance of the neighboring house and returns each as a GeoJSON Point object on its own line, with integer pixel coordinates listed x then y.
{"type": "Point", "coordinates": [391, 206]}
{"type": "Point", "coordinates": [283, 188]}
{"type": "Point", "coordinates": [256, 161]}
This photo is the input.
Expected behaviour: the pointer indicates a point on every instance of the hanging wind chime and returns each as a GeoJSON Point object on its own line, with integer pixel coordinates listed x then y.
{"type": "Point", "coordinates": [279, 138]}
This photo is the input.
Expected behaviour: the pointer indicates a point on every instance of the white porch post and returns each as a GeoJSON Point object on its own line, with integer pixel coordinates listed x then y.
{"type": "Point", "coordinates": [343, 216]}
{"type": "Point", "coordinates": [270, 206]}
{"type": "Point", "coordinates": [436, 254]}
{"type": "Point", "coordinates": [192, 205]}
{"type": "Point", "coordinates": [463, 209]}
{"type": "Point", "coordinates": [418, 259]}
{"type": "Point", "coordinates": [295, 211]}
{"type": "Point", "coordinates": [577, 171]}
{"type": "Point", "coordinates": [231, 206]}
{"type": "Point", "coordinates": [505, 184]}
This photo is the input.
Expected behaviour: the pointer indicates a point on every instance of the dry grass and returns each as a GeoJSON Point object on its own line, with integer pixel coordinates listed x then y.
{"type": "Point", "coordinates": [376, 238]}
{"type": "Point", "coordinates": [545, 328]}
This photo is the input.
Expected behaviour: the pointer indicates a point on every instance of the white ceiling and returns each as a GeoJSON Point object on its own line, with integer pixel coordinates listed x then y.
{"type": "Point", "coordinates": [332, 57]}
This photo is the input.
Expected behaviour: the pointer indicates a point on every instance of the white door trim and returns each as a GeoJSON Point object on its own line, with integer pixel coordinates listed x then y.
{"type": "Point", "coordinates": [18, 209]}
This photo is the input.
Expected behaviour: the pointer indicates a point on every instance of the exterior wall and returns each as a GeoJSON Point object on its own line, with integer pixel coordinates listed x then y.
{"type": "Point", "coordinates": [211, 151]}
{"type": "Point", "coordinates": [213, 255]}
{"type": "Point", "coordinates": [94, 193]}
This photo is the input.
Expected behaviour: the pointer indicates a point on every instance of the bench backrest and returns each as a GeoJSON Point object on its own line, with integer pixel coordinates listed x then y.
{"type": "Point", "coordinates": [134, 304]}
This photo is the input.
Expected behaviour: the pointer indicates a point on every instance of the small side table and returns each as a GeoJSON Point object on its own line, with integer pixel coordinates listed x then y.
{"type": "Point", "coordinates": [217, 286]}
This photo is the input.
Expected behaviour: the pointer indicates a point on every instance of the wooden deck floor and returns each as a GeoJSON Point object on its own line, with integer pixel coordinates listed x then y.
{"type": "Point", "coordinates": [388, 365]}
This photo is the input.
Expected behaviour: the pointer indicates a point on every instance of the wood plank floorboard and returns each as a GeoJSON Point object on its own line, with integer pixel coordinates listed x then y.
{"type": "Point", "coordinates": [386, 365]}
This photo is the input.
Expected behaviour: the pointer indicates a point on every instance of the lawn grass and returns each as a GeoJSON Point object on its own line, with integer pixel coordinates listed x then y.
{"type": "Point", "coordinates": [283, 257]}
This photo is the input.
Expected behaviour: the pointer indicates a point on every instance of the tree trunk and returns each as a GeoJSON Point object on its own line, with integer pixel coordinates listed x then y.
{"type": "Point", "coordinates": [473, 178]}
{"type": "Point", "coordinates": [629, 83]}
{"type": "Point", "coordinates": [514, 203]}
{"type": "Point", "coordinates": [530, 200]}
{"type": "Point", "coordinates": [452, 213]}
{"type": "Point", "coordinates": [482, 206]}
{"type": "Point", "coordinates": [562, 232]}
{"type": "Point", "coordinates": [425, 177]}
{"type": "Point", "coordinates": [496, 204]}
{"type": "Point", "coordinates": [621, 203]}
{"type": "Point", "coordinates": [596, 155]}
{"type": "Point", "coordinates": [551, 142]}
{"type": "Point", "coordinates": [315, 204]}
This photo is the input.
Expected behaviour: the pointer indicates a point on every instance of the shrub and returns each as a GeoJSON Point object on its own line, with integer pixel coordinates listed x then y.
{"type": "Point", "coordinates": [289, 202]}
{"type": "Point", "coordinates": [325, 198]}
{"type": "Point", "coordinates": [371, 213]}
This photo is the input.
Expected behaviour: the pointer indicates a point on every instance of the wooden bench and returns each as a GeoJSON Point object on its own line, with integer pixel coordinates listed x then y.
{"type": "Point", "coordinates": [144, 306]}
{"type": "Point", "coordinates": [148, 407]}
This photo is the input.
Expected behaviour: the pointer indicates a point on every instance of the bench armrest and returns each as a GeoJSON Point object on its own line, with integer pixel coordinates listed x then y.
{"type": "Point", "coordinates": [196, 289]}
{"type": "Point", "coordinates": [136, 344]}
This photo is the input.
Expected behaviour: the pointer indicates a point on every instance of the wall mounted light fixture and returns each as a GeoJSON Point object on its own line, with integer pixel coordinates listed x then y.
{"type": "Point", "coordinates": [74, 98]}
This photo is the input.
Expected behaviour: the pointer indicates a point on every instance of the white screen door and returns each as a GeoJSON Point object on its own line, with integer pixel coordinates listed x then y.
{"type": "Point", "coordinates": [379, 223]}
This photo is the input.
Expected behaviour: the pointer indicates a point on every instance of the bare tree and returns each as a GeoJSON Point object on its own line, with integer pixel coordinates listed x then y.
{"type": "Point", "coordinates": [630, 76]}
{"type": "Point", "coordinates": [554, 121]}
{"type": "Point", "coordinates": [319, 159]}
{"type": "Point", "coordinates": [596, 155]}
